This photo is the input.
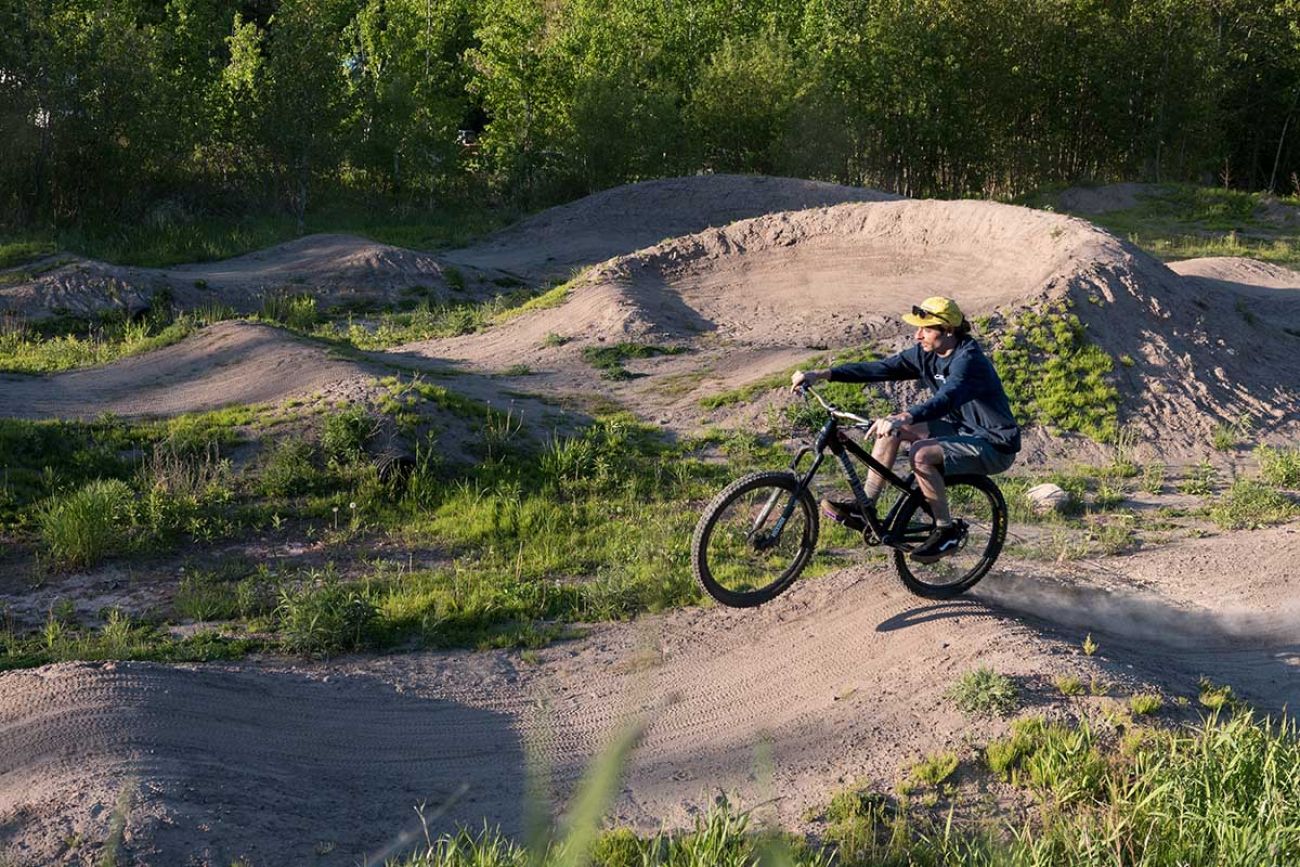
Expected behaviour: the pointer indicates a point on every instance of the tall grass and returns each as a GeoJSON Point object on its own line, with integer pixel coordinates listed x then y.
{"type": "Point", "coordinates": [85, 526]}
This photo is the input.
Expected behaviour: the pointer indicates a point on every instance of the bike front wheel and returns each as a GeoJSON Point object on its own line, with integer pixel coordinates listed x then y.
{"type": "Point", "coordinates": [976, 501]}
{"type": "Point", "coordinates": [754, 539]}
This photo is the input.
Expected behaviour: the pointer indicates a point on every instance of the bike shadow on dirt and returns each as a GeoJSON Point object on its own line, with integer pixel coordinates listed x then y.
{"type": "Point", "coordinates": [1255, 652]}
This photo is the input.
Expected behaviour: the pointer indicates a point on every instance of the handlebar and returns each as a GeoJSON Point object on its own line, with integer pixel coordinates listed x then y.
{"type": "Point", "coordinates": [806, 390]}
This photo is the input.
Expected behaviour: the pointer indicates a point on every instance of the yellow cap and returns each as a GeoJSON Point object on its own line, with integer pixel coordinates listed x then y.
{"type": "Point", "coordinates": [935, 312]}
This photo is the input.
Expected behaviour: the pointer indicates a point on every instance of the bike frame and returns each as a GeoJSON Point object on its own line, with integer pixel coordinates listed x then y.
{"type": "Point", "coordinates": [833, 437]}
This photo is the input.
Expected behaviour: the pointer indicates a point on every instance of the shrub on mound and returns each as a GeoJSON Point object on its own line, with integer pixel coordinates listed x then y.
{"type": "Point", "coordinates": [81, 528]}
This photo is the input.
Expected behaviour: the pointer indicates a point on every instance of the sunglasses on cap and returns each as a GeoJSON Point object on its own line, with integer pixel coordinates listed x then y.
{"type": "Point", "coordinates": [924, 314]}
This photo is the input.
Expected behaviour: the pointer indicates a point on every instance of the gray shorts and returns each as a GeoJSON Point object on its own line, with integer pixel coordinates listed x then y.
{"type": "Point", "coordinates": [964, 454]}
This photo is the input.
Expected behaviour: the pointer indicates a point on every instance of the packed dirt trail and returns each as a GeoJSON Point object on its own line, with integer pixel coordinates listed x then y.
{"type": "Point", "coordinates": [842, 679]}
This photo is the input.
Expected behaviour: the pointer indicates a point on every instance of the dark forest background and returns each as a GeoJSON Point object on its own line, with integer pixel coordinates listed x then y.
{"type": "Point", "coordinates": [133, 110]}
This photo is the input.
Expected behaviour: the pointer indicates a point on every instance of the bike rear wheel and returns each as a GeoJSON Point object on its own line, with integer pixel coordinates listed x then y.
{"type": "Point", "coordinates": [742, 554]}
{"type": "Point", "coordinates": [974, 500]}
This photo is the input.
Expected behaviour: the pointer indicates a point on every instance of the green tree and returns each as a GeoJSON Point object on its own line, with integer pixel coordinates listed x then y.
{"type": "Point", "coordinates": [739, 110]}
{"type": "Point", "coordinates": [302, 91]}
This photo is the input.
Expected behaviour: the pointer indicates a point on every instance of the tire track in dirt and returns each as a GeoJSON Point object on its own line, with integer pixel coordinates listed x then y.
{"type": "Point", "coordinates": [273, 765]}
{"type": "Point", "coordinates": [843, 678]}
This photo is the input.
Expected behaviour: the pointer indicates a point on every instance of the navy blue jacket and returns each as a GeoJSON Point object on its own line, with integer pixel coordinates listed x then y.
{"type": "Point", "coordinates": [967, 391]}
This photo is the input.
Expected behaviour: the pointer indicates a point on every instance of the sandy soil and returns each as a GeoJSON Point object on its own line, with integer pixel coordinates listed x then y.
{"type": "Point", "coordinates": [843, 679]}
{"type": "Point", "coordinates": [625, 219]}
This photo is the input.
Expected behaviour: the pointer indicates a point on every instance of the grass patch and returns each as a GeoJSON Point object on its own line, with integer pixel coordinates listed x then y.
{"type": "Point", "coordinates": [1183, 221]}
{"type": "Point", "coordinates": [1249, 504]}
{"type": "Point", "coordinates": [609, 359]}
{"type": "Point", "coordinates": [985, 692]}
{"type": "Point", "coordinates": [1054, 375]}
{"type": "Point", "coordinates": [1279, 466]}
{"type": "Point", "coordinates": [1221, 793]}
{"type": "Point", "coordinates": [14, 253]}
{"type": "Point", "coordinates": [68, 343]}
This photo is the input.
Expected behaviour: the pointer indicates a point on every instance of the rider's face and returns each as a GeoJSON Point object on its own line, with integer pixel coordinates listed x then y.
{"type": "Point", "coordinates": [931, 339]}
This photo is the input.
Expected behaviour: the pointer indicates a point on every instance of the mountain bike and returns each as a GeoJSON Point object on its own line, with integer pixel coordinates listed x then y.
{"type": "Point", "coordinates": [759, 532]}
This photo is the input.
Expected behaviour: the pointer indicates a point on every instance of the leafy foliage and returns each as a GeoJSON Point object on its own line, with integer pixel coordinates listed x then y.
{"type": "Point", "coordinates": [202, 111]}
{"type": "Point", "coordinates": [1054, 375]}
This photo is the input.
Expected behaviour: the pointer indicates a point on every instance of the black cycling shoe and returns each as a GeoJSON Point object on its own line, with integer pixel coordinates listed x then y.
{"type": "Point", "coordinates": [844, 512]}
{"type": "Point", "coordinates": [941, 542]}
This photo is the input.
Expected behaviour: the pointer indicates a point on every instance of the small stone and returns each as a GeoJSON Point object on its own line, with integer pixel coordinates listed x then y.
{"type": "Point", "coordinates": [1047, 497]}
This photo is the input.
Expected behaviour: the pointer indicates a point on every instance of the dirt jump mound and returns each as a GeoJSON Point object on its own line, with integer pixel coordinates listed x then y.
{"type": "Point", "coordinates": [227, 363]}
{"type": "Point", "coordinates": [628, 218]}
{"type": "Point", "coordinates": [840, 276]}
{"type": "Point", "coordinates": [333, 268]}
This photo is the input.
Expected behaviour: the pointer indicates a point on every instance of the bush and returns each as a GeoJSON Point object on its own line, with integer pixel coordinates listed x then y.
{"type": "Point", "coordinates": [325, 616]}
{"type": "Point", "coordinates": [84, 527]}
{"type": "Point", "coordinates": [346, 434]}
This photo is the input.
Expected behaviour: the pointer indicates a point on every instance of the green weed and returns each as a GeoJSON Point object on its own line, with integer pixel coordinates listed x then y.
{"type": "Point", "coordinates": [933, 770]}
{"type": "Point", "coordinates": [1200, 481]}
{"type": "Point", "coordinates": [1144, 704]}
{"type": "Point", "coordinates": [1249, 504]}
{"type": "Point", "coordinates": [1279, 466]}
{"type": "Point", "coordinates": [345, 435]}
{"type": "Point", "coordinates": [296, 311]}
{"type": "Point", "coordinates": [81, 528]}
{"type": "Point", "coordinates": [324, 616]}
{"type": "Point", "coordinates": [984, 691]}
{"type": "Point", "coordinates": [1054, 375]}
{"type": "Point", "coordinates": [1068, 684]}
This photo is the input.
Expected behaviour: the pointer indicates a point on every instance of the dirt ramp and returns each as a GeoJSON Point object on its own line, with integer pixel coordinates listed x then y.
{"type": "Point", "coordinates": [824, 276]}
{"type": "Point", "coordinates": [1259, 291]}
{"type": "Point", "coordinates": [227, 363]}
{"type": "Point", "coordinates": [211, 766]}
{"type": "Point", "coordinates": [841, 276]}
{"type": "Point", "coordinates": [339, 262]}
{"type": "Point", "coordinates": [627, 218]}
{"type": "Point", "coordinates": [333, 268]}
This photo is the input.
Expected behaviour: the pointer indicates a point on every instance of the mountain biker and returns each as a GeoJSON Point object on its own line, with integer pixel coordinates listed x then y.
{"type": "Point", "coordinates": [965, 427]}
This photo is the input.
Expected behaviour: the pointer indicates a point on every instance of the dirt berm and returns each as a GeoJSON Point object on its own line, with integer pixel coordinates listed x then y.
{"type": "Point", "coordinates": [334, 269]}
{"type": "Point", "coordinates": [1190, 354]}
